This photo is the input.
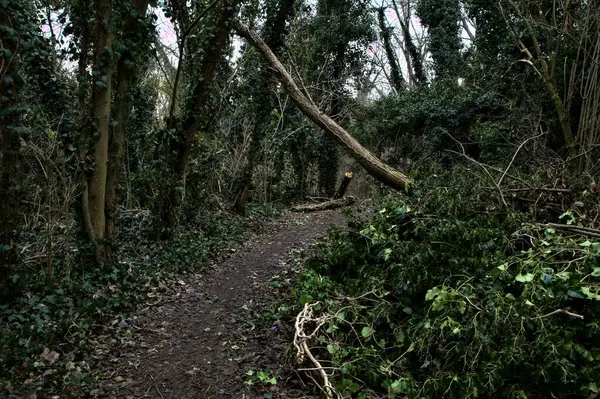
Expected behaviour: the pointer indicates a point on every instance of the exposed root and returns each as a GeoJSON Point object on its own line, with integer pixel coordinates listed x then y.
{"type": "Point", "coordinates": [301, 339]}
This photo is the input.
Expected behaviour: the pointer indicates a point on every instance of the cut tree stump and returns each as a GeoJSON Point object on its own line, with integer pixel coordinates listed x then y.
{"type": "Point", "coordinates": [322, 206]}
{"type": "Point", "coordinates": [344, 185]}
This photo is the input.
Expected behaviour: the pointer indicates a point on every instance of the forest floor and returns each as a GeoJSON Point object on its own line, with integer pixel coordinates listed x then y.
{"type": "Point", "coordinates": [201, 340]}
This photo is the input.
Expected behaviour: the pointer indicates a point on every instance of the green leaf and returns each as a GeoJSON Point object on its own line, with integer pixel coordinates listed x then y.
{"type": "Point", "coordinates": [366, 331]}
{"type": "Point", "coordinates": [331, 349]}
{"type": "Point", "coordinates": [591, 295]}
{"type": "Point", "coordinates": [432, 293]}
{"type": "Point", "coordinates": [387, 253]}
{"type": "Point", "coordinates": [400, 337]}
{"type": "Point", "coordinates": [596, 272]}
{"type": "Point", "coordinates": [272, 380]}
{"type": "Point", "coordinates": [593, 387]}
{"type": "Point", "coordinates": [524, 278]}
{"type": "Point", "coordinates": [250, 372]}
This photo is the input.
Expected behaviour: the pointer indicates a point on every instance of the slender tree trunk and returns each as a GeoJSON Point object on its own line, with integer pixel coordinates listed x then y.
{"type": "Point", "coordinates": [414, 61]}
{"type": "Point", "coordinates": [182, 146]}
{"type": "Point", "coordinates": [82, 75]}
{"type": "Point", "coordinates": [373, 165]}
{"type": "Point", "coordinates": [126, 75]}
{"type": "Point", "coordinates": [275, 30]}
{"type": "Point", "coordinates": [396, 73]}
{"type": "Point", "coordinates": [10, 85]}
{"type": "Point", "coordinates": [101, 100]}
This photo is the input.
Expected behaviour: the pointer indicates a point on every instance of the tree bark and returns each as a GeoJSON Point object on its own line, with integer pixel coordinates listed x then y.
{"type": "Point", "coordinates": [373, 165]}
{"type": "Point", "coordinates": [101, 100]}
{"type": "Point", "coordinates": [322, 206]}
{"type": "Point", "coordinates": [126, 76]}
{"type": "Point", "coordinates": [344, 185]}
{"type": "Point", "coordinates": [183, 145]}
{"type": "Point", "coordinates": [396, 74]}
{"type": "Point", "coordinates": [414, 59]}
{"type": "Point", "coordinates": [278, 14]}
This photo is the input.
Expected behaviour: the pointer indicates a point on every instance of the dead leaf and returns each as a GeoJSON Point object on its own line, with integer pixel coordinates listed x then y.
{"type": "Point", "coordinates": [50, 356]}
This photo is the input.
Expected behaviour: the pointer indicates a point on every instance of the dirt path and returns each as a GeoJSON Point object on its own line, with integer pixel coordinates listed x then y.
{"type": "Point", "coordinates": [205, 337]}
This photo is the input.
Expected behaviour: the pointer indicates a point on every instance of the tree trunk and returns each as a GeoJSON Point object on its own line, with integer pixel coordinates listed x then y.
{"type": "Point", "coordinates": [414, 59]}
{"type": "Point", "coordinates": [126, 76]}
{"type": "Point", "coordinates": [101, 98]}
{"type": "Point", "coordinates": [344, 185]}
{"type": "Point", "coordinates": [396, 74]}
{"type": "Point", "coordinates": [278, 14]}
{"type": "Point", "coordinates": [183, 145]}
{"type": "Point", "coordinates": [10, 85]}
{"type": "Point", "coordinates": [323, 206]}
{"type": "Point", "coordinates": [374, 166]}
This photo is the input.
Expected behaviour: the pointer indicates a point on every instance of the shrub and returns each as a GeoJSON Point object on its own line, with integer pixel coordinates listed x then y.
{"type": "Point", "coordinates": [456, 304]}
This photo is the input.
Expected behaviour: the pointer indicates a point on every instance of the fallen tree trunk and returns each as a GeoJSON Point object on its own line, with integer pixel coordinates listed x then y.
{"type": "Point", "coordinates": [322, 206]}
{"type": "Point", "coordinates": [373, 165]}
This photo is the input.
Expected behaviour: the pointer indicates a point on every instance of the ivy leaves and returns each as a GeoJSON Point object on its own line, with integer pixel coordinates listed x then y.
{"type": "Point", "coordinates": [443, 307]}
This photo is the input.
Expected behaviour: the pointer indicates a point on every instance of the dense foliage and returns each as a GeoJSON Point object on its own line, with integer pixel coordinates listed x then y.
{"type": "Point", "coordinates": [140, 137]}
{"type": "Point", "coordinates": [441, 297]}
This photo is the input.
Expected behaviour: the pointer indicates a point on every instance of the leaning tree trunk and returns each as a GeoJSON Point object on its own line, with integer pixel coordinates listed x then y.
{"type": "Point", "coordinates": [126, 75]}
{"type": "Point", "coordinates": [182, 146]}
{"type": "Point", "coordinates": [373, 165]}
{"type": "Point", "coordinates": [101, 98]}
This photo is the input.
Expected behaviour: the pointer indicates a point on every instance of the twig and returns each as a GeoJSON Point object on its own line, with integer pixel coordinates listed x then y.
{"type": "Point", "coordinates": [549, 190]}
{"type": "Point", "coordinates": [561, 311]}
{"type": "Point", "coordinates": [515, 156]}
{"type": "Point", "coordinates": [157, 390]}
{"type": "Point", "coordinates": [322, 368]}
{"type": "Point", "coordinates": [586, 231]}
{"type": "Point", "coordinates": [481, 166]}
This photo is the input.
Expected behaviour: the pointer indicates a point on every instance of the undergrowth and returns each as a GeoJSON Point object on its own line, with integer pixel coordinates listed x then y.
{"type": "Point", "coordinates": [443, 295]}
{"type": "Point", "coordinates": [49, 329]}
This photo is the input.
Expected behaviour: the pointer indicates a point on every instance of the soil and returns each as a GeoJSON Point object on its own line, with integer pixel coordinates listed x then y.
{"type": "Point", "coordinates": [202, 340]}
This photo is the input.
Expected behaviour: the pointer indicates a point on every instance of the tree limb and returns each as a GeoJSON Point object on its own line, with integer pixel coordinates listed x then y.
{"type": "Point", "coordinates": [373, 165]}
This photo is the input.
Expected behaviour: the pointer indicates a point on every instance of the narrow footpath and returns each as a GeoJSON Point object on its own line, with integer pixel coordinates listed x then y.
{"type": "Point", "coordinates": [202, 340]}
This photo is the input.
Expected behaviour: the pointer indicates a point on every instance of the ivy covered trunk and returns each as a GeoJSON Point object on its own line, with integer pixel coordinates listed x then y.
{"type": "Point", "coordinates": [95, 197]}
{"type": "Point", "coordinates": [396, 77]}
{"type": "Point", "coordinates": [11, 42]}
{"type": "Point", "coordinates": [126, 76]}
{"type": "Point", "coordinates": [181, 145]}
{"type": "Point", "coordinates": [278, 14]}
